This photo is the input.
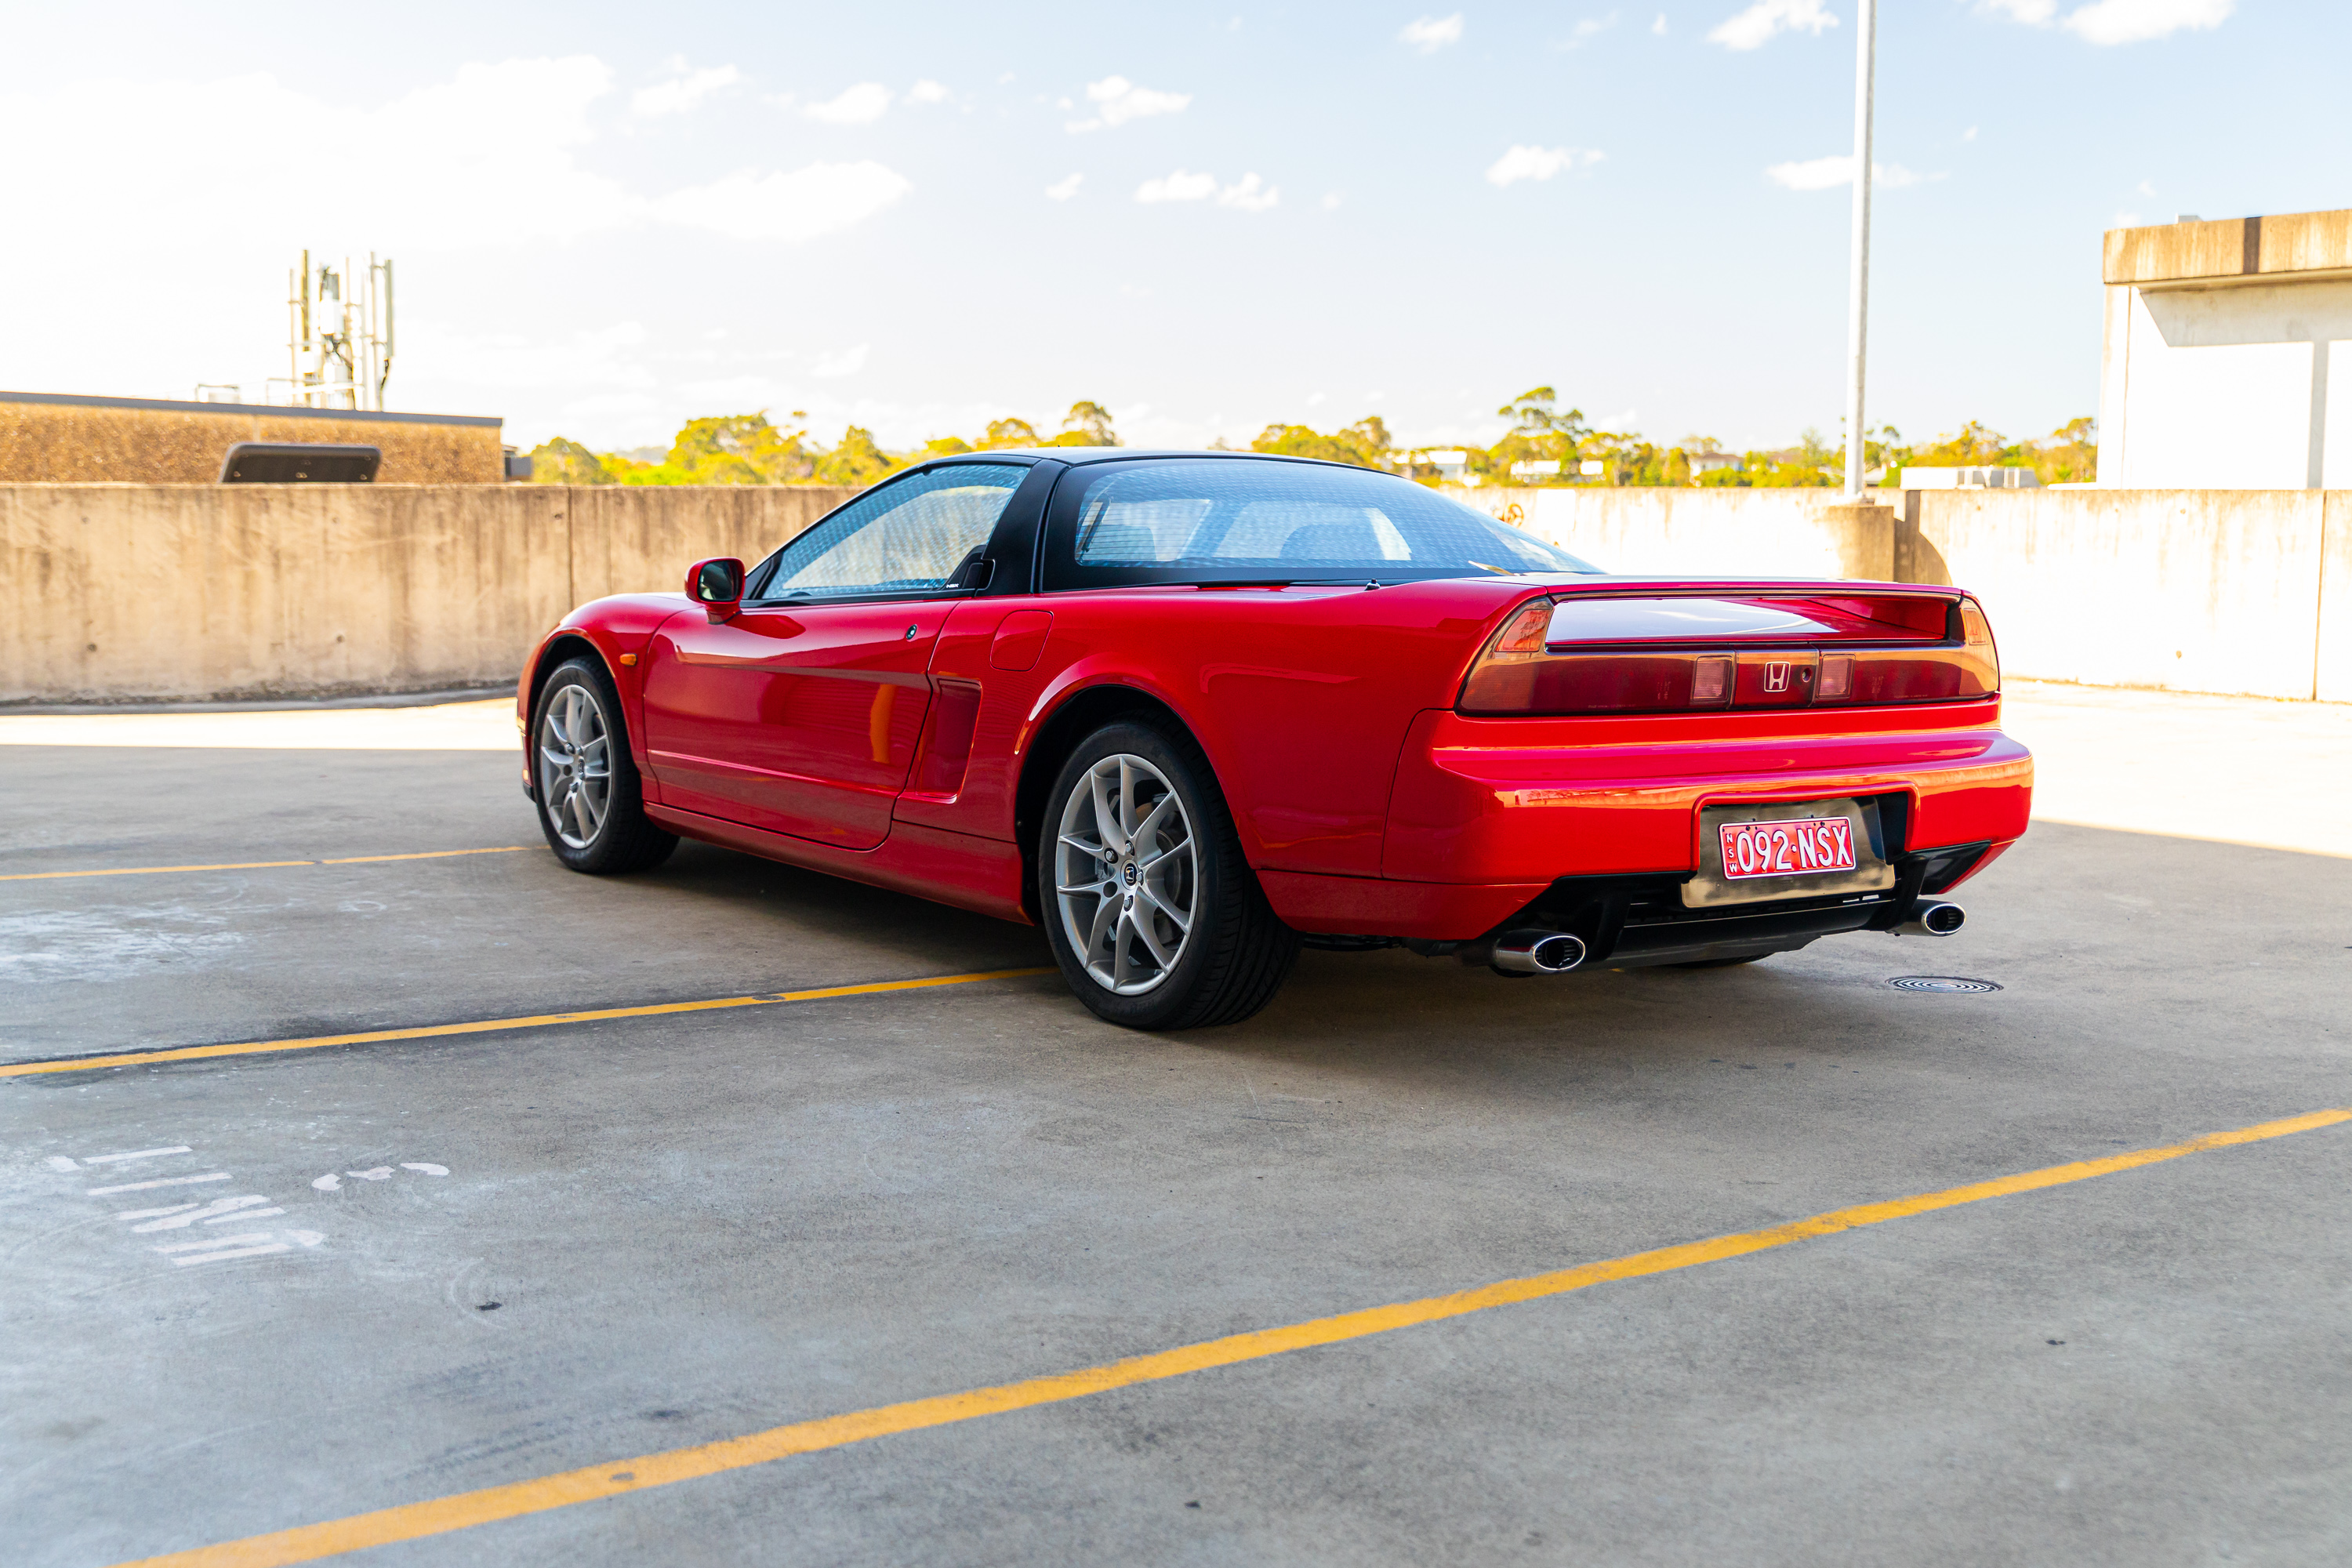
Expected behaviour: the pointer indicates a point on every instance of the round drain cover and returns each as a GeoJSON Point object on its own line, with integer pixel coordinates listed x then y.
{"type": "Point", "coordinates": [1948, 983]}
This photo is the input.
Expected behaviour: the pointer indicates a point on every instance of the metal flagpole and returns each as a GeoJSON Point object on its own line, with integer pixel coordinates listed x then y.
{"type": "Point", "coordinates": [1857, 320]}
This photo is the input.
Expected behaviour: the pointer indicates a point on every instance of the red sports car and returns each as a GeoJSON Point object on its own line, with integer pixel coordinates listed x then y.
{"type": "Point", "coordinates": [1190, 712]}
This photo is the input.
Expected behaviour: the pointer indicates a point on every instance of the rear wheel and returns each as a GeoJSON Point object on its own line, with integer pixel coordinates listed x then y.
{"type": "Point", "coordinates": [589, 803]}
{"type": "Point", "coordinates": [1155, 918]}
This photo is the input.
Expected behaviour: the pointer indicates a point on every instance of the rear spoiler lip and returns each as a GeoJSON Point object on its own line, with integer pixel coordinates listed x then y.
{"type": "Point", "coordinates": [1615, 586]}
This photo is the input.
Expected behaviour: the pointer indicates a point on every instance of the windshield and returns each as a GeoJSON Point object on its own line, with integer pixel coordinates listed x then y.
{"type": "Point", "coordinates": [1224, 520]}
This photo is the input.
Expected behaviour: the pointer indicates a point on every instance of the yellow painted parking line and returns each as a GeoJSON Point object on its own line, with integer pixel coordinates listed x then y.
{"type": "Point", "coordinates": [439, 1516]}
{"type": "Point", "coordinates": [491, 1025]}
{"type": "Point", "coordinates": [263, 865]}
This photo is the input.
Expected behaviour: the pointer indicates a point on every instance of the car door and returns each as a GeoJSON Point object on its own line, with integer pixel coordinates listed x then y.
{"type": "Point", "coordinates": [800, 713]}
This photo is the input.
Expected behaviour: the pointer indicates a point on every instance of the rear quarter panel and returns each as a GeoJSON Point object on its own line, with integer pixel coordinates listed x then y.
{"type": "Point", "coordinates": [1301, 697]}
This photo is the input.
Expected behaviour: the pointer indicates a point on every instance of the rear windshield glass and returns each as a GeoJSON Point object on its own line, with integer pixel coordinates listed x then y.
{"type": "Point", "coordinates": [1219, 519]}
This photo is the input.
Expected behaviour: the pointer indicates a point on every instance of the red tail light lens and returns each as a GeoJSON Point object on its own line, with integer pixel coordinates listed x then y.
{"type": "Point", "coordinates": [1524, 671]}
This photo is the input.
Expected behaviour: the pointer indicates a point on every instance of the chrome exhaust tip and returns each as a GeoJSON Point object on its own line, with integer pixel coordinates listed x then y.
{"type": "Point", "coordinates": [1934, 919]}
{"type": "Point", "coordinates": [1536, 952]}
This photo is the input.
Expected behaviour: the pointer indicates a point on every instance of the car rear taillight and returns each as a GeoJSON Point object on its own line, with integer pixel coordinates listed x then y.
{"type": "Point", "coordinates": [1798, 651]}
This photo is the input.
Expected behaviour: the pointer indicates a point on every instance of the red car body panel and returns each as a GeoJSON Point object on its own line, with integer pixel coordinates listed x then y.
{"type": "Point", "coordinates": [888, 741]}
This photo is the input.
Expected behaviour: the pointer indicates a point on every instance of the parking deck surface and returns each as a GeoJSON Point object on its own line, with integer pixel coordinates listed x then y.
{"type": "Point", "coordinates": [458, 1261]}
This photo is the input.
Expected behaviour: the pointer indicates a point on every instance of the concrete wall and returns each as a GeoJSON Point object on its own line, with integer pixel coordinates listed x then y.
{"type": "Point", "coordinates": [123, 593]}
{"type": "Point", "coordinates": [2226, 386]}
{"type": "Point", "coordinates": [2228, 591]}
{"type": "Point", "coordinates": [2180, 590]}
{"type": "Point", "coordinates": [1772, 532]}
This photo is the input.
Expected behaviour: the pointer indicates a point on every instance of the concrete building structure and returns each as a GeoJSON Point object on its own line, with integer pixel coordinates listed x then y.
{"type": "Point", "coordinates": [2219, 346]}
{"type": "Point", "coordinates": [48, 437]}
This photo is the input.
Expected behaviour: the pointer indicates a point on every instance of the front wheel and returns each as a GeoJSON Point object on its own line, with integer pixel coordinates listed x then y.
{"type": "Point", "coordinates": [1155, 920]}
{"type": "Point", "coordinates": [590, 805]}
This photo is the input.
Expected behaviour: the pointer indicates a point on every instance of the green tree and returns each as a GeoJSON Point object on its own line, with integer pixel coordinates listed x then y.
{"type": "Point", "coordinates": [855, 460]}
{"type": "Point", "coordinates": [737, 449]}
{"type": "Point", "coordinates": [2068, 454]}
{"type": "Point", "coordinates": [558, 461]}
{"type": "Point", "coordinates": [1364, 443]}
{"type": "Point", "coordinates": [1539, 432]}
{"type": "Point", "coordinates": [1009, 432]}
{"type": "Point", "coordinates": [1086, 425]}
{"type": "Point", "coordinates": [1977, 446]}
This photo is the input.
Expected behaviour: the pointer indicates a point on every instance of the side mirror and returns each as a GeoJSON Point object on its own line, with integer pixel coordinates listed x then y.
{"type": "Point", "coordinates": [716, 585]}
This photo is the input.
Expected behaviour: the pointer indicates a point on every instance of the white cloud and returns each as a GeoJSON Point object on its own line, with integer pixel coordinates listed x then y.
{"type": "Point", "coordinates": [1823, 173]}
{"type": "Point", "coordinates": [1431, 34]}
{"type": "Point", "coordinates": [1178, 187]}
{"type": "Point", "coordinates": [860, 105]}
{"type": "Point", "coordinates": [1330, 201]}
{"type": "Point", "coordinates": [1659, 26]}
{"type": "Point", "coordinates": [2118, 21]}
{"type": "Point", "coordinates": [1117, 101]}
{"type": "Point", "coordinates": [1756, 26]}
{"type": "Point", "coordinates": [1063, 190]}
{"type": "Point", "coordinates": [1248, 196]}
{"type": "Point", "coordinates": [1591, 27]}
{"type": "Point", "coordinates": [2135, 21]}
{"type": "Point", "coordinates": [848, 362]}
{"type": "Point", "coordinates": [681, 93]}
{"type": "Point", "coordinates": [821, 199]}
{"type": "Point", "coordinates": [1538, 163]}
{"type": "Point", "coordinates": [1314, 398]}
{"type": "Point", "coordinates": [927, 92]}
{"type": "Point", "coordinates": [1969, 135]}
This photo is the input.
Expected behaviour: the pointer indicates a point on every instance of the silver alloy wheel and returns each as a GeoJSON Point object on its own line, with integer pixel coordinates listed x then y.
{"type": "Point", "coordinates": [575, 765]}
{"type": "Point", "coordinates": [1127, 873]}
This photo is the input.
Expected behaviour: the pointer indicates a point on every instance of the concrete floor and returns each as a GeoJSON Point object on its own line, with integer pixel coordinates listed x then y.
{"type": "Point", "coordinates": [656, 1232]}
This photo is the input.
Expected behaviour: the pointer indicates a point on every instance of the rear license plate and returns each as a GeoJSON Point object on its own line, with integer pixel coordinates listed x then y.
{"type": "Point", "coordinates": [1787, 849]}
{"type": "Point", "coordinates": [1807, 846]}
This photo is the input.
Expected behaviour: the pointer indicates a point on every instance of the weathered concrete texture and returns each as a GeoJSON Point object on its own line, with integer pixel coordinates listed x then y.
{"type": "Point", "coordinates": [2333, 682]}
{"type": "Point", "coordinates": [2229, 248]}
{"type": "Point", "coordinates": [2216, 591]}
{"type": "Point", "coordinates": [2180, 590]}
{"type": "Point", "coordinates": [44, 442]}
{"type": "Point", "coordinates": [120, 592]}
{"type": "Point", "coordinates": [1772, 532]}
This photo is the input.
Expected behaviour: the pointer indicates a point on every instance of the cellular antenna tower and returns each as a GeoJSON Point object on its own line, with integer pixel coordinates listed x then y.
{"type": "Point", "coordinates": [340, 338]}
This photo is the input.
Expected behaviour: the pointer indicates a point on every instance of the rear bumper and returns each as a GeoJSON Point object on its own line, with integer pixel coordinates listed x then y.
{"type": "Point", "coordinates": [1491, 817]}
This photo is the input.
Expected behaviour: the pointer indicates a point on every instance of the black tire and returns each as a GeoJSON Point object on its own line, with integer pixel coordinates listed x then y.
{"type": "Point", "coordinates": [619, 837]}
{"type": "Point", "coordinates": [1235, 953]}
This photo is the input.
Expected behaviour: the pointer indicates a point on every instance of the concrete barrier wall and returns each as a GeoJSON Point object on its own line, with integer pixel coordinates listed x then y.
{"type": "Point", "coordinates": [125, 593]}
{"type": "Point", "coordinates": [2244, 591]}
{"type": "Point", "coordinates": [2181, 590]}
{"type": "Point", "coordinates": [1772, 532]}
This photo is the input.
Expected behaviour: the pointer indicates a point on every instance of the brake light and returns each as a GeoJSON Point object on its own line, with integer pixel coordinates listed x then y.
{"type": "Point", "coordinates": [1536, 665]}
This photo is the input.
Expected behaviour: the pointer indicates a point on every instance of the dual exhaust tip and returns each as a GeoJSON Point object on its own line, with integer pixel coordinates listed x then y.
{"type": "Point", "coordinates": [1557, 952]}
{"type": "Point", "coordinates": [1934, 919]}
{"type": "Point", "coordinates": [1536, 952]}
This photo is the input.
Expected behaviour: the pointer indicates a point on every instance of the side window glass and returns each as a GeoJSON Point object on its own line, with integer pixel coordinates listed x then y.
{"type": "Point", "coordinates": [903, 538]}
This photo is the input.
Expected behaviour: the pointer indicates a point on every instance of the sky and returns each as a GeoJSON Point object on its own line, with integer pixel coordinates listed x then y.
{"type": "Point", "coordinates": [607, 220]}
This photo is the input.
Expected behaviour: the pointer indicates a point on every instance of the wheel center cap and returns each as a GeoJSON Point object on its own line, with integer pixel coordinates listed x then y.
{"type": "Point", "coordinates": [1130, 873]}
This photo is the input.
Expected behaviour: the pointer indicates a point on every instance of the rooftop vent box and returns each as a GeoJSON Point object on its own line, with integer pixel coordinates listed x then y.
{"type": "Point", "coordinates": [300, 463]}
